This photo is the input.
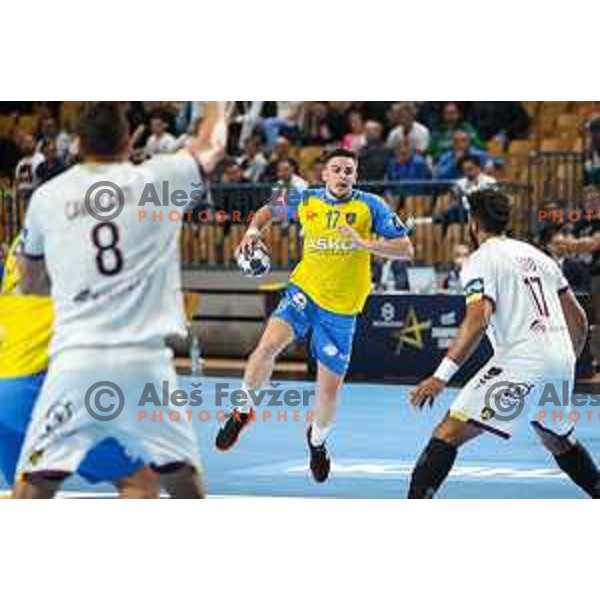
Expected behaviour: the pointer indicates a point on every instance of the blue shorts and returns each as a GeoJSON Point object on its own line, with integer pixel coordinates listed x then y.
{"type": "Point", "coordinates": [332, 334]}
{"type": "Point", "coordinates": [108, 461]}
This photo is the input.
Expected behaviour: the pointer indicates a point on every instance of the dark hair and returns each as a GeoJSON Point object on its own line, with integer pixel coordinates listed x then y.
{"type": "Point", "coordinates": [339, 153]}
{"type": "Point", "coordinates": [469, 158]}
{"type": "Point", "coordinates": [229, 161]}
{"type": "Point", "coordinates": [491, 209]}
{"type": "Point", "coordinates": [103, 128]}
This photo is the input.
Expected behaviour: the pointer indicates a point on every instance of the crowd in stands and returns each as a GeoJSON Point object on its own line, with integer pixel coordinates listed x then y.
{"type": "Point", "coordinates": [395, 140]}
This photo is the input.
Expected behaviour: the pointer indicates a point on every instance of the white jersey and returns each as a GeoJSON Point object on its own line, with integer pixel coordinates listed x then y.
{"type": "Point", "coordinates": [114, 282]}
{"type": "Point", "coordinates": [528, 324]}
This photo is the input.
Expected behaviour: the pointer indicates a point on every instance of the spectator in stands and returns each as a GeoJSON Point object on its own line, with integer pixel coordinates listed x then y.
{"type": "Point", "coordinates": [592, 158]}
{"type": "Point", "coordinates": [287, 177]}
{"type": "Point", "coordinates": [48, 130]}
{"type": "Point", "coordinates": [452, 280]}
{"type": "Point", "coordinates": [389, 275]}
{"type": "Point", "coordinates": [231, 194]}
{"type": "Point", "coordinates": [286, 122]}
{"type": "Point", "coordinates": [473, 178]}
{"type": "Point", "coordinates": [25, 171]}
{"type": "Point", "coordinates": [253, 162]}
{"type": "Point", "coordinates": [540, 225]}
{"type": "Point", "coordinates": [160, 140]}
{"type": "Point", "coordinates": [316, 127]}
{"type": "Point", "coordinates": [372, 111]}
{"type": "Point", "coordinates": [53, 164]}
{"type": "Point", "coordinates": [448, 164]}
{"type": "Point", "coordinates": [575, 270]}
{"type": "Point", "coordinates": [430, 113]}
{"type": "Point", "coordinates": [503, 120]}
{"type": "Point", "coordinates": [337, 119]}
{"type": "Point", "coordinates": [233, 172]}
{"type": "Point", "coordinates": [281, 151]}
{"type": "Point", "coordinates": [372, 158]}
{"type": "Point", "coordinates": [403, 116]}
{"type": "Point", "coordinates": [452, 121]}
{"type": "Point", "coordinates": [186, 117]}
{"type": "Point", "coordinates": [10, 152]}
{"type": "Point", "coordinates": [406, 165]}
{"type": "Point", "coordinates": [355, 139]}
{"type": "Point", "coordinates": [316, 173]}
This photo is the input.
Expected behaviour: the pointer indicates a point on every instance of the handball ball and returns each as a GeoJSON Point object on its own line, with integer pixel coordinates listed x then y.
{"type": "Point", "coordinates": [255, 263]}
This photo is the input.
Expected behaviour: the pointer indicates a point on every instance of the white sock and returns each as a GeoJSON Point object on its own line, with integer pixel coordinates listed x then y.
{"type": "Point", "coordinates": [245, 408]}
{"type": "Point", "coordinates": [318, 435]}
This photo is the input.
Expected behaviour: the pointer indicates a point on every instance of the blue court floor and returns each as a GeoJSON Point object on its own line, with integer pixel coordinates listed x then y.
{"type": "Point", "coordinates": [374, 444]}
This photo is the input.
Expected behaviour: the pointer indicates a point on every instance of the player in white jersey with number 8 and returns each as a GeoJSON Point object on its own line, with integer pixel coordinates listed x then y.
{"type": "Point", "coordinates": [115, 284]}
{"type": "Point", "coordinates": [537, 328]}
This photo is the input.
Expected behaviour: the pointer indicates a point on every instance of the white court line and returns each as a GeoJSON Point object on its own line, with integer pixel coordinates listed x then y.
{"type": "Point", "coordinates": [378, 468]}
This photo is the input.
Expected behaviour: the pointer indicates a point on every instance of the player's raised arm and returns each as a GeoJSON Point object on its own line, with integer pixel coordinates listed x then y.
{"type": "Point", "coordinates": [208, 143]}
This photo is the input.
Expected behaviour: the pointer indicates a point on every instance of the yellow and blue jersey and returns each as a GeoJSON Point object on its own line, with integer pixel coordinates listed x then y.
{"type": "Point", "coordinates": [25, 325]}
{"type": "Point", "coordinates": [333, 272]}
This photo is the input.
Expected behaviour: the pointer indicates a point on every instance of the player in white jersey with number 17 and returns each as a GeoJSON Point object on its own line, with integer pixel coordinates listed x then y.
{"type": "Point", "coordinates": [537, 328]}
{"type": "Point", "coordinates": [116, 290]}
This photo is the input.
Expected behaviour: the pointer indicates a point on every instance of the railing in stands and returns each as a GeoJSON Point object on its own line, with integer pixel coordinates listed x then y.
{"type": "Point", "coordinates": [210, 236]}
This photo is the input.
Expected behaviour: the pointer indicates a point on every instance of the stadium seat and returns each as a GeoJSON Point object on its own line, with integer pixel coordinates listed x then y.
{"type": "Point", "coordinates": [28, 123]}
{"type": "Point", "coordinates": [555, 145]}
{"type": "Point", "coordinates": [521, 147]}
{"type": "Point", "coordinates": [569, 122]}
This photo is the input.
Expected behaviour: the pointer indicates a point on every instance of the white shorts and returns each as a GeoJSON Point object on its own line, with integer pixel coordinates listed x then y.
{"type": "Point", "coordinates": [90, 395]}
{"type": "Point", "coordinates": [503, 391]}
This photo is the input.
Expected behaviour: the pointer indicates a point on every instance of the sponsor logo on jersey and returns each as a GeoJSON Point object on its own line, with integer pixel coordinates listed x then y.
{"type": "Point", "coordinates": [397, 223]}
{"type": "Point", "coordinates": [487, 413]}
{"type": "Point", "coordinates": [330, 350]}
{"type": "Point", "coordinates": [299, 301]}
{"type": "Point", "coordinates": [330, 245]}
{"type": "Point", "coordinates": [539, 326]}
{"type": "Point", "coordinates": [488, 375]}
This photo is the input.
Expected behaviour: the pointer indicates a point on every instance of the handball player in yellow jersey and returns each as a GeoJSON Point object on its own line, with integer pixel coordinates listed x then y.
{"type": "Point", "coordinates": [342, 227]}
{"type": "Point", "coordinates": [25, 332]}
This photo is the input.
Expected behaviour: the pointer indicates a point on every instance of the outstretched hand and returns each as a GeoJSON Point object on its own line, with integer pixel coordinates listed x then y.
{"type": "Point", "coordinates": [426, 391]}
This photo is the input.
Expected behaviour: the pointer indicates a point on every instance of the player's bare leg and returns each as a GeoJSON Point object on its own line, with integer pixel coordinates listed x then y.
{"type": "Point", "coordinates": [573, 458]}
{"type": "Point", "coordinates": [277, 336]}
{"type": "Point", "coordinates": [143, 484]}
{"type": "Point", "coordinates": [38, 486]}
{"type": "Point", "coordinates": [182, 481]}
{"type": "Point", "coordinates": [436, 460]}
{"type": "Point", "coordinates": [328, 388]}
